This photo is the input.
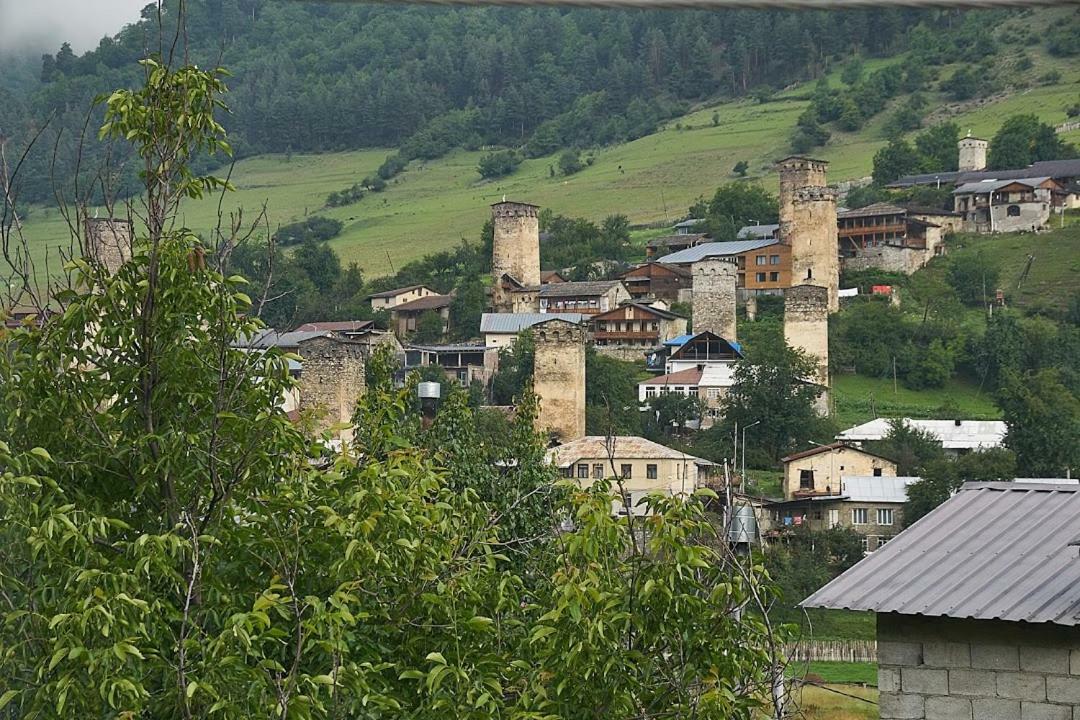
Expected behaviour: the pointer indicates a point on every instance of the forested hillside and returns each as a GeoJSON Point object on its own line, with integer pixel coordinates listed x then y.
{"type": "Point", "coordinates": [310, 77]}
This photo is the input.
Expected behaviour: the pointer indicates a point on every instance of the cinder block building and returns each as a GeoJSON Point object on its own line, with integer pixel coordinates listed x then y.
{"type": "Point", "coordinates": [978, 607]}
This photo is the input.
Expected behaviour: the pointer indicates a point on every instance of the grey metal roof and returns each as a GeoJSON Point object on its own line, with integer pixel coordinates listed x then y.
{"type": "Point", "coordinates": [516, 322]}
{"type": "Point", "coordinates": [984, 186]}
{"type": "Point", "coordinates": [994, 551]}
{"type": "Point", "coordinates": [716, 249]}
{"type": "Point", "coordinates": [875, 488]}
{"type": "Point", "coordinates": [1050, 168]}
{"type": "Point", "coordinates": [577, 289]}
{"type": "Point", "coordinates": [272, 338]}
{"type": "Point", "coordinates": [754, 232]}
{"type": "Point", "coordinates": [953, 434]}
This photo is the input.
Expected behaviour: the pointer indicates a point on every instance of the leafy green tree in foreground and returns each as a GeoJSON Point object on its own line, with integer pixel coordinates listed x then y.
{"type": "Point", "coordinates": [174, 547]}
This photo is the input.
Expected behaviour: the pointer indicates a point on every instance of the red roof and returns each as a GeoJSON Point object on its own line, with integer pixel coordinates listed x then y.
{"type": "Point", "coordinates": [690, 376]}
{"type": "Point", "coordinates": [431, 302]}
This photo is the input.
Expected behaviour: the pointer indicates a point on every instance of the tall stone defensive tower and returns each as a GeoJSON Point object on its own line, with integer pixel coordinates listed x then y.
{"type": "Point", "coordinates": [808, 225]}
{"type": "Point", "coordinates": [972, 154]}
{"type": "Point", "coordinates": [714, 296]}
{"type": "Point", "coordinates": [806, 327]}
{"type": "Point", "coordinates": [332, 380]}
{"type": "Point", "coordinates": [515, 250]}
{"type": "Point", "coordinates": [107, 241]}
{"type": "Point", "coordinates": [559, 378]}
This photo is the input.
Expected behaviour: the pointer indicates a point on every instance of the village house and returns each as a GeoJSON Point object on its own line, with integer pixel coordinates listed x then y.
{"type": "Point", "coordinates": [956, 436]}
{"type": "Point", "coordinates": [391, 298]}
{"type": "Point", "coordinates": [886, 237]}
{"type": "Point", "coordinates": [500, 330]}
{"type": "Point", "coordinates": [872, 506]}
{"type": "Point", "coordinates": [588, 298]}
{"type": "Point", "coordinates": [818, 471]}
{"type": "Point", "coordinates": [704, 348]}
{"type": "Point", "coordinates": [764, 266]}
{"type": "Point", "coordinates": [770, 231]}
{"type": "Point", "coordinates": [655, 280]}
{"type": "Point", "coordinates": [643, 467]}
{"type": "Point", "coordinates": [977, 605]}
{"type": "Point", "coordinates": [463, 364]}
{"type": "Point", "coordinates": [688, 226]}
{"type": "Point", "coordinates": [673, 243]}
{"type": "Point", "coordinates": [551, 276]}
{"type": "Point", "coordinates": [404, 316]}
{"type": "Point", "coordinates": [709, 383]}
{"type": "Point", "coordinates": [627, 330]}
{"type": "Point", "coordinates": [991, 206]}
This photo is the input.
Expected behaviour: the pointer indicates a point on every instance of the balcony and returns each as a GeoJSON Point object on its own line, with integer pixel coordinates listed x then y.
{"type": "Point", "coordinates": [621, 336]}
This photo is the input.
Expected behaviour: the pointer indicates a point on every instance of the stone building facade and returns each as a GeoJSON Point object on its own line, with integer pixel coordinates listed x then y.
{"type": "Point", "coordinates": [806, 327]}
{"type": "Point", "coordinates": [332, 380]}
{"type": "Point", "coordinates": [108, 241]}
{"type": "Point", "coordinates": [819, 470]}
{"type": "Point", "coordinates": [972, 154]}
{"type": "Point", "coordinates": [933, 668]}
{"type": "Point", "coordinates": [559, 378]}
{"type": "Point", "coordinates": [515, 250]}
{"type": "Point", "coordinates": [808, 225]}
{"type": "Point", "coordinates": [714, 296]}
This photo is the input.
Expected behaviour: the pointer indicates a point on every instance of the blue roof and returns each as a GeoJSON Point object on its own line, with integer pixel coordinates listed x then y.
{"type": "Point", "coordinates": [678, 341]}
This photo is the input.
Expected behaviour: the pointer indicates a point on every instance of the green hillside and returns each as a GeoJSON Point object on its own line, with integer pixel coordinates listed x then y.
{"type": "Point", "coordinates": [434, 204]}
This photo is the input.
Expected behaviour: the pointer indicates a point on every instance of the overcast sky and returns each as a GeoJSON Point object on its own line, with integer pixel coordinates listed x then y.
{"type": "Point", "coordinates": [44, 24]}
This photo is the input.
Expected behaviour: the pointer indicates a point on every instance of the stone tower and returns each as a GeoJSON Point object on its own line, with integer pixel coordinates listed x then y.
{"type": "Point", "coordinates": [559, 378]}
{"type": "Point", "coordinates": [808, 225]}
{"type": "Point", "coordinates": [972, 154]}
{"type": "Point", "coordinates": [714, 296]}
{"type": "Point", "coordinates": [806, 328]}
{"type": "Point", "coordinates": [332, 380]}
{"type": "Point", "coordinates": [107, 242]}
{"type": "Point", "coordinates": [515, 250]}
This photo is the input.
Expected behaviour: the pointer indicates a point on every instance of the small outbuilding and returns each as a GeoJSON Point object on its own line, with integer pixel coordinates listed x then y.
{"type": "Point", "coordinates": [978, 606]}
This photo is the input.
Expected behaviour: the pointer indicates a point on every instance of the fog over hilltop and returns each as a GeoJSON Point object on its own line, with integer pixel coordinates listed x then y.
{"type": "Point", "coordinates": [42, 25]}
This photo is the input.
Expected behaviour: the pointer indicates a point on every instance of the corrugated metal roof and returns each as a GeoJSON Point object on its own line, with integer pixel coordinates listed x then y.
{"type": "Point", "coordinates": [880, 208]}
{"type": "Point", "coordinates": [953, 434]}
{"type": "Point", "coordinates": [629, 447]}
{"type": "Point", "coordinates": [431, 302]}
{"type": "Point", "coordinates": [715, 249]}
{"type": "Point", "coordinates": [1050, 168]}
{"type": "Point", "coordinates": [994, 551]}
{"type": "Point", "coordinates": [272, 338]}
{"type": "Point", "coordinates": [986, 186]}
{"type": "Point", "coordinates": [669, 240]}
{"type": "Point", "coordinates": [754, 232]}
{"type": "Point", "coordinates": [578, 289]}
{"type": "Point", "coordinates": [396, 291]}
{"type": "Point", "coordinates": [516, 322]}
{"type": "Point", "coordinates": [872, 488]}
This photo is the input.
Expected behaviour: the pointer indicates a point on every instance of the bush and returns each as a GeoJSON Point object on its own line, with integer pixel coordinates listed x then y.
{"type": "Point", "coordinates": [570, 162]}
{"type": "Point", "coordinates": [974, 278]}
{"type": "Point", "coordinates": [315, 228]}
{"type": "Point", "coordinates": [498, 164]}
{"type": "Point", "coordinates": [348, 196]}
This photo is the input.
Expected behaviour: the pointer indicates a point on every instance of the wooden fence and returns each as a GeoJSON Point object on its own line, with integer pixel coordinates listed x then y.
{"type": "Point", "coordinates": [834, 650]}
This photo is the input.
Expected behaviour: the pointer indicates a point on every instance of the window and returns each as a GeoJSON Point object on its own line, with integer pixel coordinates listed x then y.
{"type": "Point", "coordinates": [650, 471]}
{"type": "Point", "coordinates": [626, 470]}
{"type": "Point", "coordinates": [877, 472]}
{"type": "Point", "coordinates": [809, 273]}
{"type": "Point", "coordinates": [760, 277]}
{"type": "Point", "coordinates": [774, 259]}
{"type": "Point", "coordinates": [598, 471]}
{"type": "Point", "coordinates": [568, 471]}
{"type": "Point", "coordinates": [859, 516]}
{"type": "Point", "coordinates": [759, 260]}
{"type": "Point", "coordinates": [806, 479]}
{"type": "Point", "coordinates": [817, 514]}
{"type": "Point", "coordinates": [1013, 211]}
{"type": "Point", "coordinates": [865, 544]}
{"type": "Point", "coordinates": [583, 471]}
{"type": "Point", "coordinates": [650, 391]}
{"type": "Point", "coordinates": [774, 277]}
{"type": "Point", "coordinates": [884, 516]}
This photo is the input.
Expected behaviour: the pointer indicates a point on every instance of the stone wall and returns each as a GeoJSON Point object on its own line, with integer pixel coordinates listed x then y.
{"type": "Point", "coordinates": [971, 154]}
{"type": "Point", "coordinates": [944, 669]}
{"type": "Point", "coordinates": [806, 327]}
{"type": "Point", "coordinates": [515, 249]}
{"type": "Point", "coordinates": [559, 378]}
{"type": "Point", "coordinates": [107, 242]}
{"type": "Point", "coordinates": [714, 296]}
{"type": "Point", "coordinates": [332, 380]}
{"type": "Point", "coordinates": [888, 257]}
{"type": "Point", "coordinates": [797, 173]}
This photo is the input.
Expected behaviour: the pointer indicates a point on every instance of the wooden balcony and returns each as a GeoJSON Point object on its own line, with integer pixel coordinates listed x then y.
{"type": "Point", "coordinates": [619, 336]}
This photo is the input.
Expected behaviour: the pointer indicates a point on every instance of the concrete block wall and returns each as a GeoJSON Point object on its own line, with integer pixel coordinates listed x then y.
{"type": "Point", "coordinates": [947, 669]}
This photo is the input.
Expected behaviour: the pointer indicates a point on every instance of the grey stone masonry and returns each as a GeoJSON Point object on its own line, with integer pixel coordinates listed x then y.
{"type": "Point", "coordinates": [952, 669]}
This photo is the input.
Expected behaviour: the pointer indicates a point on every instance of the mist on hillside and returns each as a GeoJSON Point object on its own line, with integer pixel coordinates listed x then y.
{"type": "Point", "coordinates": [42, 25]}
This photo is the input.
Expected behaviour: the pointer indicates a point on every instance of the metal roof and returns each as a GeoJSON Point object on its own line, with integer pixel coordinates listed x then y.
{"type": "Point", "coordinates": [578, 289]}
{"type": "Point", "coordinates": [872, 488]}
{"type": "Point", "coordinates": [1050, 168]}
{"type": "Point", "coordinates": [754, 232]}
{"type": "Point", "coordinates": [716, 249]}
{"type": "Point", "coordinates": [397, 291]}
{"type": "Point", "coordinates": [431, 302]}
{"type": "Point", "coordinates": [668, 240]}
{"type": "Point", "coordinates": [880, 208]}
{"type": "Point", "coordinates": [994, 551]}
{"type": "Point", "coordinates": [679, 340]}
{"type": "Point", "coordinates": [626, 447]}
{"type": "Point", "coordinates": [985, 186]}
{"type": "Point", "coordinates": [953, 434]}
{"type": "Point", "coordinates": [512, 323]}
{"type": "Point", "coordinates": [272, 338]}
